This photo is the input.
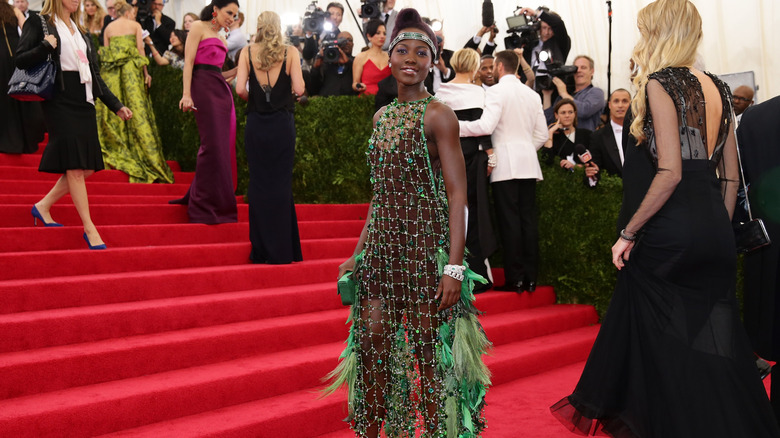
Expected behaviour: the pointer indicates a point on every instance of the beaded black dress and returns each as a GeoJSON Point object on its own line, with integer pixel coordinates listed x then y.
{"type": "Point", "coordinates": [672, 358]}
{"type": "Point", "coordinates": [409, 367]}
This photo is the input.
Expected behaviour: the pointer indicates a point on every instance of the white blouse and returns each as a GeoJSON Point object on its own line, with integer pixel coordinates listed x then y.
{"type": "Point", "coordinates": [461, 96]}
{"type": "Point", "coordinates": [73, 55]}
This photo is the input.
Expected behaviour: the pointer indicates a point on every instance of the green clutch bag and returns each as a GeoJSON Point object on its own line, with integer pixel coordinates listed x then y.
{"type": "Point", "coordinates": [347, 288]}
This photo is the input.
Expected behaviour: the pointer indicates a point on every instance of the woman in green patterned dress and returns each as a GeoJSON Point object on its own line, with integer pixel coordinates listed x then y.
{"type": "Point", "coordinates": [133, 147]}
{"type": "Point", "coordinates": [413, 363]}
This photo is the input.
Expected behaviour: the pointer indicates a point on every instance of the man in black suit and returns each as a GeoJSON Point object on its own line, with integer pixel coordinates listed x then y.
{"type": "Point", "coordinates": [606, 144]}
{"type": "Point", "coordinates": [759, 144]}
{"type": "Point", "coordinates": [158, 25]}
{"type": "Point", "coordinates": [24, 7]}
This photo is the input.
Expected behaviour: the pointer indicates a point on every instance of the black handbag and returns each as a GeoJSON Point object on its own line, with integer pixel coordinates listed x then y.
{"type": "Point", "coordinates": [751, 235]}
{"type": "Point", "coordinates": [36, 83]}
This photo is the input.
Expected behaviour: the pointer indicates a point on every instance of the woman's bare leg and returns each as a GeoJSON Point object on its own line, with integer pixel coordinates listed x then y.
{"type": "Point", "coordinates": [56, 193]}
{"type": "Point", "coordinates": [78, 191]}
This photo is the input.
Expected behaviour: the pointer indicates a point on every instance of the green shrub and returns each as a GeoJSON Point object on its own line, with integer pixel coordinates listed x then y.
{"type": "Point", "coordinates": [576, 223]}
{"type": "Point", "coordinates": [576, 234]}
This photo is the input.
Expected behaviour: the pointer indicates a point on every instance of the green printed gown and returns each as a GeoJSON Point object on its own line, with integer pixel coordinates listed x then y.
{"type": "Point", "coordinates": [134, 146]}
{"type": "Point", "coordinates": [412, 369]}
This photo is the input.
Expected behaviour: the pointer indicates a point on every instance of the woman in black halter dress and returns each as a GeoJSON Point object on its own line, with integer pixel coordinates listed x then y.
{"type": "Point", "coordinates": [273, 72]}
{"type": "Point", "coordinates": [672, 358]}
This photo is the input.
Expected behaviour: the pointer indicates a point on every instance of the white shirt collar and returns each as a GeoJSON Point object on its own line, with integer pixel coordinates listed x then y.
{"type": "Point", "coordinates": [616, 127]}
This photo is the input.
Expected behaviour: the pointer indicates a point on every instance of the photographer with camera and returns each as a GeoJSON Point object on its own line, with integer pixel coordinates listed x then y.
{"type": "Point", "coordinates": [319, 26]}
{"type": "Point", "coordinates": [589, 99]}
{"type": "Point", "coordinates": [331, 74]}
{"type": "Point", "coordinates": [153, 21]}
{"type": "Point", "coordinates": [490, 45]}
{"type": "Point", "coordinates": [553, 39]}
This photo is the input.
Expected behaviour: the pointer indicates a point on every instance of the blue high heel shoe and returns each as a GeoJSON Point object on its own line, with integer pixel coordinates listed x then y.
{"type": "Point", "coordinates": [37, 215]}
{"type": "Point", "coordinates": [101, 246]}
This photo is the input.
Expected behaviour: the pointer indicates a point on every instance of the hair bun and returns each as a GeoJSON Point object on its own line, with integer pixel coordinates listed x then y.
{"type": "Point", "coordinates": [409, 17]}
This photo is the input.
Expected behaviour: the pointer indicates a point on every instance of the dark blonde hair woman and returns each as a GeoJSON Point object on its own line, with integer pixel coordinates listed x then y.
{"type": "Point", "coordinates": [269, 72]}
{"type": "Point", "coordinates": [73, 149]}
{"type": "Point", "coordinates": [93, 16]}
{"type": "Point", "coordinates": [672, 358]}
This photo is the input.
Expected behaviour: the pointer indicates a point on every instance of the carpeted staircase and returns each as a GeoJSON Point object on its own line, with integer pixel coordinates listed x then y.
{"type": "Point", "coordinates": [171, 332]}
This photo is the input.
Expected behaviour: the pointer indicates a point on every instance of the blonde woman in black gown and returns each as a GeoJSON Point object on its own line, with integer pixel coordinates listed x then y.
{"type": "Point", "coordinates": [672, 358]}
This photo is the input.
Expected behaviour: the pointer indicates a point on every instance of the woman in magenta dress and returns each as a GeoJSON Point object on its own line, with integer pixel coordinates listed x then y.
{"type": "Point", "coordinates": [372, 65]}
{"type": "Point", "coordinates": [211, 198]}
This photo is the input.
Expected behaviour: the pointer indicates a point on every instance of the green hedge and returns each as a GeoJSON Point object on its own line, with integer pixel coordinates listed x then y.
{"type": "Point", "coordinates": [576, 223]}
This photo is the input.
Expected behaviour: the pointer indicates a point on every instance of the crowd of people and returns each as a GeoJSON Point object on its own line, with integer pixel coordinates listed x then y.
{"type": "Point", "coordinates": [451, 128]}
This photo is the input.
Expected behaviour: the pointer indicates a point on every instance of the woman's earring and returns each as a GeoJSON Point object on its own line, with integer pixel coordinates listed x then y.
{"type": "Point", "coordinates": [214, 24]}
{"type": "Point", "coordinates": [389, 64]}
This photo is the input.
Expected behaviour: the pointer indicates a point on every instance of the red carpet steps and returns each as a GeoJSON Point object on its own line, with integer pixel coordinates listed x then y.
{"type": "Point", "coordinates": [172, 333]}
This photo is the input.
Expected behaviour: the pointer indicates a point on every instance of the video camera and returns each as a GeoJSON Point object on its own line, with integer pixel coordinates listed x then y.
{"type": "Point", "coordinates": [554, 69]}
{"type": "Point", "coordinates": [371, 9]}
{"type": "Point", "coordinates": [314, 19]}
{"type": "Point", "coordinates": [523, 31]}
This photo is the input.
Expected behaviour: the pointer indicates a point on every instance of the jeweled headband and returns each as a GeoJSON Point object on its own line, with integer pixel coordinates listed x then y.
{"type": "Point", "coordinates": [413, 36]}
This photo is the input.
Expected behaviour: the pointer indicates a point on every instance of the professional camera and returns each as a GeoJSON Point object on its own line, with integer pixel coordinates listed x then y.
{"type": "Point", "coordinates": [523, 31]}
{"type": "Point", "coordinates": [144, 7]}
{"type": "Point", "coordinates": [330, 50]}
{"type": "Point", "coordinates": [371, 9]}
{"type": "Point", "coordinates": [554, 69]}
{"type": "Point", "coordinates": [314, 18]}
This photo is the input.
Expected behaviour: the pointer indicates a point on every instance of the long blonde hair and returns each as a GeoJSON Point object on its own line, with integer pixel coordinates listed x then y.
{"type": "Point", "coordinates": [670, 32]}
{"type": "Point", "coordinates": [53, 8]}
{"type": "Point", "coordinates": [270, 40]}
{"type": "Point", "coordinates": [97, 19]}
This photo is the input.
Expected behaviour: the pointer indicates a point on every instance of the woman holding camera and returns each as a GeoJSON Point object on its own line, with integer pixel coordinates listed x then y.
{"type": "Point", "coordinates": [73, 149]}
{"type": "Point", "coordinates": [371, 66]}
{"type": "Point", "coordinates": [272, 70]}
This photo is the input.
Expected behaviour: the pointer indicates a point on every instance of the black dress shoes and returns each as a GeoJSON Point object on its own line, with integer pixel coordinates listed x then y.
{"type": "Point", "coordinates": [764, 368]}
{"type": "Point", "coordinates": [530, 286]}
{"type": "Point", "coordinates": [510, 287]}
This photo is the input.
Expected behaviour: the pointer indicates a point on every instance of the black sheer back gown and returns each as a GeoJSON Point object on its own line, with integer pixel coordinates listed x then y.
{"type": "Point", "coordinates": [269, 140]}
{"type": "Point", "coordinates": [672, 358]}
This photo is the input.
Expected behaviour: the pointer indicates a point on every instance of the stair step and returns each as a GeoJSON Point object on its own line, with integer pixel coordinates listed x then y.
{"type": "Point", "coordinates": [25, 173]}
{"type": "Point", "coordinates": [297, 414]}
{"type": "Point", "coordinates": [31, 372]}
{"type": "Point", "coordinates": [17, 215]}
{"type": "Point", "coordinates": [33, 160]}
{"type": "Point", "coordinates": [92, 290]}
{"type": "Point", "coordinates": [21, 239]}
{"type": "Point", "coordinates": [40, 188]}
{"type": "Point", "coordinates": [123, 404]}
{"type": "Point", "coordinates": [150, 258]}
{"type": "Point", "coordinates": [49, 328]}
{"type": "Point", "coordinates": [30, 199]}
{"type": "Point", "coordinates": [165, 397]}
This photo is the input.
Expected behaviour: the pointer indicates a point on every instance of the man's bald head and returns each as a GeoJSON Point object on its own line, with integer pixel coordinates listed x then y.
{"type": "Point", "coordinates": [743, 98]}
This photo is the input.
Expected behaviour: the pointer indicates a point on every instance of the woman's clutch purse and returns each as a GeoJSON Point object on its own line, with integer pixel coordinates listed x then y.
{"type": "Point", "coordinates": [751, 235]}
{"type": "Point", "coordinates": [347, 288]}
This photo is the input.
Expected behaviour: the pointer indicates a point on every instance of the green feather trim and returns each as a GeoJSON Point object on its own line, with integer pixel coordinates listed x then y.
{"type": "Point", "coordinates": [451, 410]}
{"type": "Point", "coordinates": [469, 345]}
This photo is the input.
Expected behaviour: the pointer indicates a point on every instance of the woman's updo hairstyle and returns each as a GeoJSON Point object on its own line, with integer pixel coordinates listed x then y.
{"type": "Point", "coordinates": [205, 14]}
{"type": "Point", "coordinates": [410, 18]}
{"type": "Point", "coordinates": [121, 7]}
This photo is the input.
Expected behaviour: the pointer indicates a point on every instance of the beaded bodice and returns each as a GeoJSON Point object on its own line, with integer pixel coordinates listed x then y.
{"type": "Point", "coordinates": [685, 90]}
{"type": "Point", "coordinates": [410, 217]}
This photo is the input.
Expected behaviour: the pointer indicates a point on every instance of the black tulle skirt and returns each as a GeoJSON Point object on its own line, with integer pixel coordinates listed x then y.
{"type": "Point", "coordinates": [72, 125]}
{"type": "Point", "coordinates": [672, 358]}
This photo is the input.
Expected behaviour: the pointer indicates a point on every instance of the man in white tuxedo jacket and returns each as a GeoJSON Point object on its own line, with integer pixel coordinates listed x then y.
{"type": "Point", "coordinates": [514, 119]}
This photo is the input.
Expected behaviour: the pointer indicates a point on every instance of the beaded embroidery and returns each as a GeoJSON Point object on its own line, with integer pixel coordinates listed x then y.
{"type": "Point", "coordinates": [409, 368]}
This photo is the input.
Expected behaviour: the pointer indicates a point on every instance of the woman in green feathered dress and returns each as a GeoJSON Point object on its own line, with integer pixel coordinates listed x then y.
{"type": "Point", "coordinates": [413, 363]}
{"type": "Point", "coordinates": [134, 147]}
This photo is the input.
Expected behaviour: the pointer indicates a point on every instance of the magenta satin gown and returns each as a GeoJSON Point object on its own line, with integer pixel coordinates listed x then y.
{"type": "Point", "coordinates": [211, 198]}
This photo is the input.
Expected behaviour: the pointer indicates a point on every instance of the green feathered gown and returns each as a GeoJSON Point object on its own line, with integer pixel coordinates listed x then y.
{"type": "Point", "coordinates": [409, 368]}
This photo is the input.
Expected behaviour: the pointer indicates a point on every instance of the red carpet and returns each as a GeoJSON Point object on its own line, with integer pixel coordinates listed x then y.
{"type": "Point", "coordinates": [172, 333]}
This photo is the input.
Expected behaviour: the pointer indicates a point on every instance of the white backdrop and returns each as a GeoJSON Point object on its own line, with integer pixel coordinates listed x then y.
{"type": "Point", "coordinates": [738, 34]}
